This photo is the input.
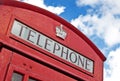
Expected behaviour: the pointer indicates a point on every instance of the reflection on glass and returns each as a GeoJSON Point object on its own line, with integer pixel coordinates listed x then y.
{"type": "Point", "coordinates": [17, 77]}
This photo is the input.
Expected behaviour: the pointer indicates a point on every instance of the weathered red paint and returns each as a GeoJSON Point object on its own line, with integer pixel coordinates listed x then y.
{"type": "Point", "coordinates": [26, 58]}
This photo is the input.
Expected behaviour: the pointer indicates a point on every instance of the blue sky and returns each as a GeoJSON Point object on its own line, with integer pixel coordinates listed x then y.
{"type": "Point", "coordinates": [71, 10]}
{"type": "Point", "coordinates": [99, 20]}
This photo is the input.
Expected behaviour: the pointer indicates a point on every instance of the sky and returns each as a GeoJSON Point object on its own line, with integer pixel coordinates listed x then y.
{"type": "Point", "coordinates": [99, 20]}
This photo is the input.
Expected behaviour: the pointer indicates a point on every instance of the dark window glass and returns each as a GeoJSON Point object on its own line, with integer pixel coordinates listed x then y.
{"type": "Point", "coordinates": [31, 79]}
{"type": "Point", "coordinates": [17, 77]}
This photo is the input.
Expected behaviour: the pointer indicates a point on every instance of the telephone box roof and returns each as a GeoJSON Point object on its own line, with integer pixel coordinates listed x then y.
{"type": "Point", "coordinates": [19, 4]}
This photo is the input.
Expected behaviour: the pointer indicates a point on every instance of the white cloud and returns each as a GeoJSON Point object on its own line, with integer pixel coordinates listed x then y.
{"type": "Point", "coordinates": [86, 2]}
{"type": "Point", "coordinates": [40, 3]}
{"type": "Point", "coordinates": [113, 72]}
{"type": "Point", "coordinates": [102, 21]}
{"type": "Point", "coordinates": [112, 6]}
{"type": "Point", "coordinates": [85, 23]}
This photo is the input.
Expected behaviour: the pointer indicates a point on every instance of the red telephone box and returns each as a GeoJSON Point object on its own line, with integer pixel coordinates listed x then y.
{"type": "Point", "coordinates": [36, 45]}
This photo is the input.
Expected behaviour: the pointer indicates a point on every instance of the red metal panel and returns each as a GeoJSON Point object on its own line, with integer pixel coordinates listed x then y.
{"type": "Point", "coordinates": [56, 18]}
{"type": "Point", "coordinates": [30, 68]}
{"type": "Point", "coordinates": [5, 17]}
{"type": "Point", "coordinates": [5, 57]}
{"type": "Point", "coordinates": [45, 22]}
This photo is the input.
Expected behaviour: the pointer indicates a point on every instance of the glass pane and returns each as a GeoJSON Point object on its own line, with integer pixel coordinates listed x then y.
{"type": "Point", "coordinates": [17, 77]}
{"type": "Point", "coordinates": [31, 79]}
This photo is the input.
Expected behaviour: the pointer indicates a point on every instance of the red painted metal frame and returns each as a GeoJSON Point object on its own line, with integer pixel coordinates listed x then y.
{"type": "Point", "coordinates": [18, 45]}
{"type": "Point", "coordinates": [55, 17]}
{"type": "Point", "coordinates": [5, 57]}
{"type": "Point", "coordinates": [39, 50]}
{"type": "Point", "coordinates": [29, 68]}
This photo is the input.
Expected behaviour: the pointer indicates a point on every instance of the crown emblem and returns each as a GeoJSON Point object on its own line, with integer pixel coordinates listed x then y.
{"type": "Point", "coordinates": [60, 32]}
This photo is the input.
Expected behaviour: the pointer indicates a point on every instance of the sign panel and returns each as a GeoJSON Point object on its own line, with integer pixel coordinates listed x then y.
{"type": "Point", "coordinates": [34, 37]}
